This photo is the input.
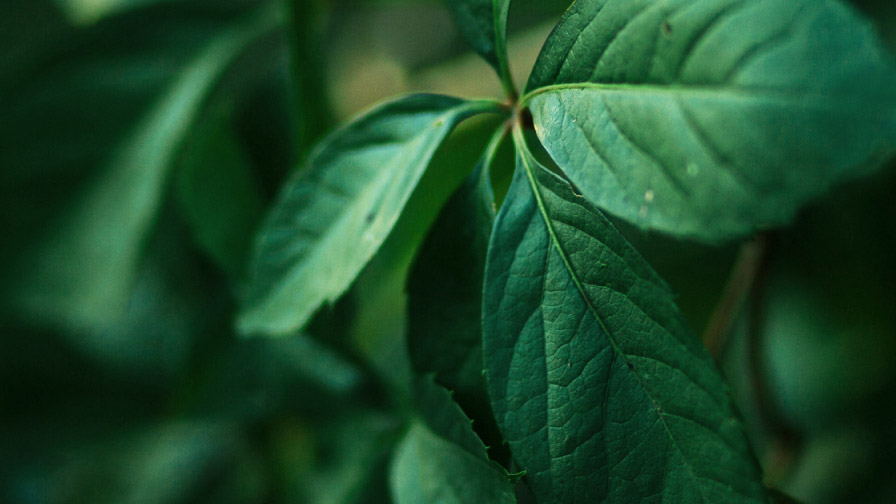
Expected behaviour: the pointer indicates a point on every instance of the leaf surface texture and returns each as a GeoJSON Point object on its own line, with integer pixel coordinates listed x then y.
{"type": "Point", "coordinates": [335, 214]}
{"type": "Point", "coordinates": [441, 459]}
{"type": "Point", "coordinates": [598, 386]}
{"type": "Point", "coordinates": [712, 118]}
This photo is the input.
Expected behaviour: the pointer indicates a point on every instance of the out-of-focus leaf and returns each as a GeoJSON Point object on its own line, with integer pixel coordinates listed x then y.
{"type": "Point", "coordinates": [334, 215]}
{"type": "Point", "coordinates": [442, 460]}
{"type": "Point", "coordinates": [476, 20]}
{"type": "Point", "coordinates": [258, 378]}
{"type": "Point", "coordinates": [28, 28]}
{"type": "Point", "coordinates": [120, 99]}
{"type": "Point", "coordinates": [828, 319]}
{"type": "Point", "coordinates": [712, 118]}
{"type": "Point", "coordinates": [176, 300]}
{"type": "Point", "coordinates": [340, 461]}
{"type": "Point", "coordinates": [484, 24]}
{"type": "Point", "coordinates": [597, 384]}
{"type": "Point", "coordinates": [883, 15]}
{"type": "Point", "coordinates": [218, 192]}
{"type": "Point", "coordinates": [145, 464]}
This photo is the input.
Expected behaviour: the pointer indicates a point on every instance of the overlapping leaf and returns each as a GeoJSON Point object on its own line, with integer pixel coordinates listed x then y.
{"type": "Point", "coordinates": [442, 460]}
{"type": "Point", "coordinates": [599, 388]}
{"type": "Point", "coordinates": [334, 215]}
{"type": "Point", "coordinates": [710, 118]}
{"type": "Point", "coordinates": [445, 287]}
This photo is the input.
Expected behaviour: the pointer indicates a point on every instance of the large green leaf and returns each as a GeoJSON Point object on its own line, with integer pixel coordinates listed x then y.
{"type": "Point", "coordinates": [116, 103]}
{"type": "Point", "coordinates": [442, 460]}
{"type": "Point", "coordinates": [334, 215]}
{"type": "Point", "coordinates": [599, 388]}
{"type": "Point", "coordinates": [712, 118]}
{"type": "Point", "coordinates": [484, 25]}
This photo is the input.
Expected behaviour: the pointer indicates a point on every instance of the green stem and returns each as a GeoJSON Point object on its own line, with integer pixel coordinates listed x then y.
{"type": "Point", "coordinates": [313, 113]}
{"type": "Point", "coordinates": [501, 10]}
{"type": "Point", "coordinates": [786, 441]}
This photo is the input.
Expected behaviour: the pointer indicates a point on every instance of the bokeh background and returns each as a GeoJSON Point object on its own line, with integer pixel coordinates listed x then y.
{"type": "Point", "coordinates": [141, 143]}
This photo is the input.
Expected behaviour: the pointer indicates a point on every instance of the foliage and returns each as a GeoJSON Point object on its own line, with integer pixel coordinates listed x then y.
{"type": "Point", "coordinates": [209, 294]}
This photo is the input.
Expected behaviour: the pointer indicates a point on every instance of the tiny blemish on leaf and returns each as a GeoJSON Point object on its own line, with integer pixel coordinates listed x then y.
{"type": "Point", "coordinates": [693, 169]}
{"type": "Point", "coordinates": [642, 212]}
{"type": "Point", "coordinates": [649, 195]}
{"type": "Point", "coordinates": [667, 29]}
{"type": "Point", "coordinates": [369, 217]}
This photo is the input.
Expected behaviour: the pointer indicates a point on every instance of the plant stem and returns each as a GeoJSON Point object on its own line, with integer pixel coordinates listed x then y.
{"type": "Point", "coordinates": [309, 96]}
{"type": "Point", "coordinates": [786, 441]}
{"type": "Point", "coordinates": [740, 283]}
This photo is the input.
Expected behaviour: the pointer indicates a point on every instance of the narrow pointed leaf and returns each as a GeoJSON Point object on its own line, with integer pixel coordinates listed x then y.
{"type": "Point", "coordinates": [441, 459]}
{"type": "Point", "coordinates": [334, 215]}
{"type": "Point", "coordinates": [712, 118]}
{"type": "Point", "coordinates": [484, 25]}
{"type": "Point", "coordinates": [445, 287]}
{"type": "Point", "coordinates": [599, 388]}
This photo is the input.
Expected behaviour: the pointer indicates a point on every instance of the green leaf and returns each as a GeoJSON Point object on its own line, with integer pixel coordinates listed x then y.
{"type": "Point", "coordinates": [712, 118]}
{"type": "Point", "coordinates": [117, 115]}
{"type": "Point", "coordinates": [334, 215]}
{"type": "Point", "coordinates": [445, 286]}
{"type": "Point", "coordinates": [218, 193]}
{"type": "Point", "coordinates": [135, 462]}
{"type": "Point", "coordinates": [380, 291]}
{"type": "Point", "coordinates": [484, 25]}
{"type": "Point", "coordinates": [342, 460]}
{"type": "Point", "coordinates": [444, 461]}
{"type": "Point", "coordinates": [599, 388]}
{"type": "Point", "coordinates": [28, 28]}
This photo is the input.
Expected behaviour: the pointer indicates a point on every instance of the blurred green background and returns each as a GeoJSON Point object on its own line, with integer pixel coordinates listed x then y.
{"type": "Point", "coordinates": [142, 141]}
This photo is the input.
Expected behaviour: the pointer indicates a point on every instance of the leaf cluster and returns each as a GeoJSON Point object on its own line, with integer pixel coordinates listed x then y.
{"type": "Point", "coordinates": [444, 299]}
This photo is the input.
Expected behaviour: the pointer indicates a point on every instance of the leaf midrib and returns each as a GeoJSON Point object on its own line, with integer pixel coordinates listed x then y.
{"type": "Point", "coordinates": [525, 158]}
{"type": "Point", "coordinates": [444, 123]}
{"type": "Point", "coordinates": [832, 101]}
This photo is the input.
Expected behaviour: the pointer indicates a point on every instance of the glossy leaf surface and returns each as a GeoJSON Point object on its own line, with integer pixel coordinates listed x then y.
{"type": "Point", "coordinates": [442, 460]}
{"type": "Point", "coordinates": [712, 118]}
{"type": "Point", "coordinates": [599, 388]}
{"type": "Point", "coordinates": [334, 215]}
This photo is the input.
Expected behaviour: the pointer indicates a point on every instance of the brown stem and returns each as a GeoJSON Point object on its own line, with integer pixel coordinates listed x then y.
{"type": "Point", "coordinates": [786, 441]}
{"type": "Point", "coordinates": [740, 283]}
